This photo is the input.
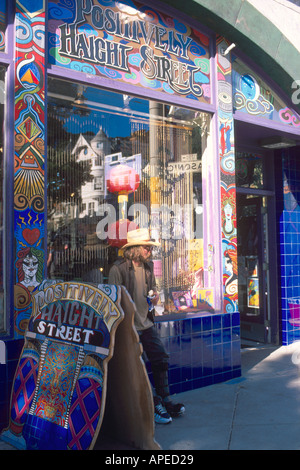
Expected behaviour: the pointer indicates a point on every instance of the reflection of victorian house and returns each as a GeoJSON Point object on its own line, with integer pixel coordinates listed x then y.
{"type": "Point", "coordinates": [92, 149]}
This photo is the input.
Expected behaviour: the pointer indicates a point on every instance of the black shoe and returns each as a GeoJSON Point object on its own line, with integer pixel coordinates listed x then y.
{"type": "Point", "coordinates": [174, 409]}
{"type": "Point", "coordinates": [161, 416]}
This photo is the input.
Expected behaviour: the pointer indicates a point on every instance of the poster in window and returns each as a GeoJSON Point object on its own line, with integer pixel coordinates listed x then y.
{"type": "Point", "coordinates": [253, 292]}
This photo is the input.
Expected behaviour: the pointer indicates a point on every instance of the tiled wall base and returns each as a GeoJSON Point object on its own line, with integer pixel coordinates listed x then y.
{"type": "Point", "coordinates": [203, 350]}
{"type": "Point", "coordinates": [7, 373]}
{"type": "Point", "coordinates": [288, 215]}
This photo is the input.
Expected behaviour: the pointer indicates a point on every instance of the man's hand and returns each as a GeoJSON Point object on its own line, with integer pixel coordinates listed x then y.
{"type": "Point", "coordinates": [155, 298]}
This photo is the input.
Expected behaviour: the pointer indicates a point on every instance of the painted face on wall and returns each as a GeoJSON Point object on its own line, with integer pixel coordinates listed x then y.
{"type": "Point", "coordinates": [30, 266]}
{"type": "Point", "coordinates": [249, 87]}
{"type": "Point", "coordinates": [228, 211]}
{"type": "Point", "coordinates": [228, 265]}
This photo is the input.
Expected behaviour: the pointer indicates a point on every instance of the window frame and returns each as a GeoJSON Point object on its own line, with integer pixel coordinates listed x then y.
{"type": "Point", "coordinates": [7, 60]}
{"type": "Point", "coordinates": [212, 173]}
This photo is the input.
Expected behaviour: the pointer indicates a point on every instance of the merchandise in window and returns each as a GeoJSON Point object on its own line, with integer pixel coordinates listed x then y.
{"type": "Point", "coordinates": [117, 162]}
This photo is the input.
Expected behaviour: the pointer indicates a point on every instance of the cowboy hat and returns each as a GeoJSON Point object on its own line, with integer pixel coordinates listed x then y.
{"type": "Point", "coordinates": [139, 236]}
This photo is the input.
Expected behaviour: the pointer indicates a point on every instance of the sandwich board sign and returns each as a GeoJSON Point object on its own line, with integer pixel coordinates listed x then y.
{"type": "Point", "coordinates": [59, 391]}
{"type": "Point", "coordinates": [59, 386]}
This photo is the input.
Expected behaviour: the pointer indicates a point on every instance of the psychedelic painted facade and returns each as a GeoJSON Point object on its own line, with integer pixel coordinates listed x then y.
{"type": "Point", "coordinates": [58, 395]}
{"type": "Point", "coordinates": [29, 191]}
{"type": "Point", "coordinates": [130, 43]}
{"type": "Point", "coordinates": [227, 177]}
{"type": "Point", "coordinates": [128, 53]}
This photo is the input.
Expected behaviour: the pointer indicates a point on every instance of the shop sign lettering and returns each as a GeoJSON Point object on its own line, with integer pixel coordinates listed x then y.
{"type": "Point", "coordinates": [72, 312]}
{"type": "Point", "coordinates": [110, 37]}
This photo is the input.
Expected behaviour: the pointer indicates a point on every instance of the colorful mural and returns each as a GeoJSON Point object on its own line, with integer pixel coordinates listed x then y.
{"type": "Point", "coordinates": [227, 178]}
{"type": "Point", "coordinates": [29, 157]}
{"type": "Point", "coordinates": [58, 393]}
{"type": "Point", "coordinates": [254, 96]}
{"type": "Point", "coordinates": [131, 43]}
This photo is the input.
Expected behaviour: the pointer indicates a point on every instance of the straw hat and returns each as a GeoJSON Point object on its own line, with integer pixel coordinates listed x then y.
{"type": "Point", "coordinates": [139, 236]}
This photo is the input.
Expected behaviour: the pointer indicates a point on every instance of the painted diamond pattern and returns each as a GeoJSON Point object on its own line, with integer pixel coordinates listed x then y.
{"type": "Point", "coordinates": [84, 413]}
{"type": "Point", "coordinates": [24, 388]}
{"type": "Point", "coordinates": [29, 129]}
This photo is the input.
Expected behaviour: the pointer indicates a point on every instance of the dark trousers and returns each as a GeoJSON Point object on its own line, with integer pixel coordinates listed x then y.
{"type": "Point", "coordinates": [158, 358]}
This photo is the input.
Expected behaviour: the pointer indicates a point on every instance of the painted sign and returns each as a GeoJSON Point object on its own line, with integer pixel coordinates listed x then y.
{"type": "Point", "coordinates": [132, 43]}
{"type": "Point", "coordinates": [58, 394]}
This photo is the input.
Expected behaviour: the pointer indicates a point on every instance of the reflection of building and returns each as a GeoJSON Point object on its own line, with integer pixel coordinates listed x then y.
{"type": "Point", "coordinates": [92, 149]}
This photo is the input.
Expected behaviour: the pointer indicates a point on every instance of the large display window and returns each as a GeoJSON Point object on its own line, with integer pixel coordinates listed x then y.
{"type": "Point", "coordinates": [117, 162]}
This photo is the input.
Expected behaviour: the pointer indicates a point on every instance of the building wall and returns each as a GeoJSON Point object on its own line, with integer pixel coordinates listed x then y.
{"type": "Point", "coordinates": [203, 350]}
{"type": "Point", "coordinates": [266, 31]}
{"type": "Point", "coordinates": [284, 14]}
{"type": "Point", "coordinates": [288, 213]}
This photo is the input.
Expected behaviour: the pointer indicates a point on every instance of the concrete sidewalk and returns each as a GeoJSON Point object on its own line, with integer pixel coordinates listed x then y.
{"type": "Point", "coordinates": [258, 411]}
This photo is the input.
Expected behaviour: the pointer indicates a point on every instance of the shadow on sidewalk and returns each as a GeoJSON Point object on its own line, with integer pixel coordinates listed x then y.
{"type": "Point", "coordinates": [253, 353]}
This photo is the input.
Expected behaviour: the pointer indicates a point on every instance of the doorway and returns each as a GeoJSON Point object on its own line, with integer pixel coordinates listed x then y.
{"type": "Point", "coordinates": [253, 266]}
{"type": "Point", "coordinates": [256, 246]}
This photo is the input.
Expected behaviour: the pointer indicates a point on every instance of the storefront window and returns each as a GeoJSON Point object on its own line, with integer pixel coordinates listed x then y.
{"type": "Point", "coordinates": [117, 162]}
{"type": "Point", "coordinates": [249, 170]}
{"type": "Point", "coordinates": [2, 251]}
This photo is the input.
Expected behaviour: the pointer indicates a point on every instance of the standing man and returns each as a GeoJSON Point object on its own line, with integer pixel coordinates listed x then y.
{"type": "Point", "coordinates": [135, 272]}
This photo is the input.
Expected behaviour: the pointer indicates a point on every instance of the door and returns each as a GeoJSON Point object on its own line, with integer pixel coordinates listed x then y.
{"type": "Point", "coordinates": [253, 266]}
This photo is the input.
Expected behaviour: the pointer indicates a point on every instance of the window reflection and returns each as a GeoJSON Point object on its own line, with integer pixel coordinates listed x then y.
{"type": "Point", "coordinates": [249, 170]}
{"type": "Point", "coordinates": [116, 162]}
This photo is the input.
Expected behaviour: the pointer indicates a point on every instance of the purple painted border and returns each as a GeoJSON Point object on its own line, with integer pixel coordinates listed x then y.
{"type": "Point", "coordinates": [261, 122]}
{"type": "Point", "coordinates": [8, 164]}
{"type": "Point", "coordinates": [109, 84]}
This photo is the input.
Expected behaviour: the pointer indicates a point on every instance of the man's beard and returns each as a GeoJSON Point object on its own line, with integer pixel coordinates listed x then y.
{"type": "Point", "coordinates": [144, 259]}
